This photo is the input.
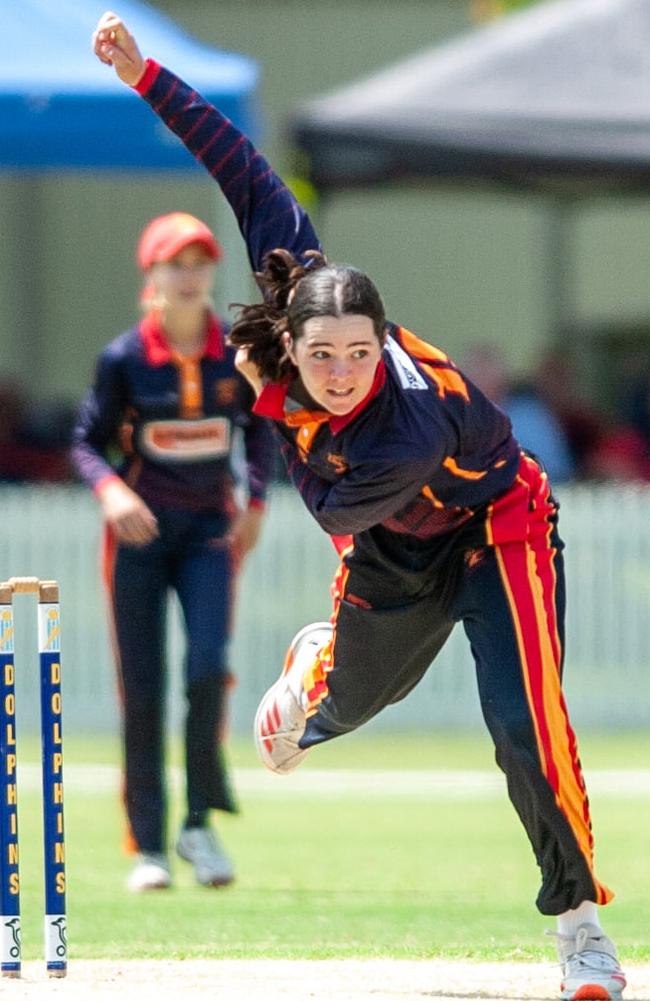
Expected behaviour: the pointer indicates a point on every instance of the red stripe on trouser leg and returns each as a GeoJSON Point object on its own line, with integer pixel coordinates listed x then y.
{"type": "Point", "coordinates": [529, 579]}
{"type": "Point", "coordinates": [513, 565]}
{"type": "Point", "coordinates": [540, 539]}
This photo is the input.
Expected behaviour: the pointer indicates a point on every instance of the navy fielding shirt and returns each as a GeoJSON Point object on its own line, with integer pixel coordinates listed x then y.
{"type": "Point", "coordinates": [171, 421]}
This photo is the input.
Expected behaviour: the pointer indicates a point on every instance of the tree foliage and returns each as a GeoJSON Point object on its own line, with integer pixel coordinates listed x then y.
{"type": "Point", "coordinates": [486, 10]}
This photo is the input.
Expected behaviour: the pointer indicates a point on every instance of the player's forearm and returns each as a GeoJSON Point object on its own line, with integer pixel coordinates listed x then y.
{"type": "Point", "coordinates": [259, 447]}
{"type": "Point", "coordinates": [266, 211]}
{"type": "Point", "coordinates": [315, 493]}
{"type": "Point", "coordinates": [89, 464]}
{"type": "Point", "coordinates": [359, 498]}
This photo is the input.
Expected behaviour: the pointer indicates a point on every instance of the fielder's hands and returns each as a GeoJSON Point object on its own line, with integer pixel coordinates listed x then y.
{"type": "Point", "coordinates": [244, 532]}
{"type": "Point", "coordinates": [114, 45]}
{"type": "Point", "coordinates": [130, 520]}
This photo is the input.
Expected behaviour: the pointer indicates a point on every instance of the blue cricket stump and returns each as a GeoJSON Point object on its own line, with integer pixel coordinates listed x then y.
{"type": "Point", "coordinates": [49, 651]}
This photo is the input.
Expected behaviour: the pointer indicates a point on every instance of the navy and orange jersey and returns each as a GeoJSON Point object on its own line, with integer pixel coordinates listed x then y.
{"type": "Point", "coordinates": [171, 419]}
{"type": "Point", "coordinates": [426, 451]}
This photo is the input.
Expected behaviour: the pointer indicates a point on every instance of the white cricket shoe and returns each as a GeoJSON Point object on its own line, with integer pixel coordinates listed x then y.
{"type": "Point", "coordinates": [201, 847]}
{"type": "Point", "coordinates": [150, 872]}
{"type": "Point", "coordinates": [280, 718]}
{"type": "Point", "coordinates": [590, 966]}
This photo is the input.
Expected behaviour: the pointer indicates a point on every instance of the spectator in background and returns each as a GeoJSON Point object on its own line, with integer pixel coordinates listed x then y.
{"type": "Point", "coordinates": [533, 421]}
{"type": "Point", "coordinates": [584, 425]}
{"type": "Point", "coordinates": [604, 447]}
{"type": "Point", "coordinates": [34, 440]}
{"type": "Point", "coordinates": [622, 451]}
{"type": "Point", "coordinates": [637, 410]}
{"type": "Point", "coordinates": [538, 429]}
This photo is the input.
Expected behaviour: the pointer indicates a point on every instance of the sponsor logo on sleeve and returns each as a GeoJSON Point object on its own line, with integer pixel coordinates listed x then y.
{"type": "Point", "coordinates": [407, 372]}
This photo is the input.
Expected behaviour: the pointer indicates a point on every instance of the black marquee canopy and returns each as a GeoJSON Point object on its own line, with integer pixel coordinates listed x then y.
{"type": "Point", "coordinates": [554, 98]}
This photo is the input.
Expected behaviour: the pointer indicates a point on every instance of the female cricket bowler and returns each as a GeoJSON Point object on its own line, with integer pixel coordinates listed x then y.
{"type": "Point", "coordinates": [168, 393]}
{"type": "Point", "coordinates": [438, 514]}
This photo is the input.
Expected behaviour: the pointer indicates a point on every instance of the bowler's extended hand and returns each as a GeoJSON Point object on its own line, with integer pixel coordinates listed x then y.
{"type": "Point", "coordinates": [114, 45]}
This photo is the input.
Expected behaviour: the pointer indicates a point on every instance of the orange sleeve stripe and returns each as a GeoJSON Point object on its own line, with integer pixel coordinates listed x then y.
{"type": "Point", "coordinates": [420, 349]}
{"type": "Point", "coordinates": [447, 380]}
{"type": "Point", "coordinates": [430, 496]}
{"type": "Point", "coordinates": [465, 474]}
{"type": "Point", "coordinates": [440, 369]}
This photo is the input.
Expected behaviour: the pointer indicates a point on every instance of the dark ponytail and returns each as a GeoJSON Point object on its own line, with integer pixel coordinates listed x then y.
{"type": "Point", "coordinates": [260, 326]}
{"type": "Point", "coordinates": [294, 293]}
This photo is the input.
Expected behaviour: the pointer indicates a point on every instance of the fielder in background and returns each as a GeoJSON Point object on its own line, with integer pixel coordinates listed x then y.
{"type": "Point", "coordinates": [439, 516]}
{"type": "Point", "coordinates": [168, 399]}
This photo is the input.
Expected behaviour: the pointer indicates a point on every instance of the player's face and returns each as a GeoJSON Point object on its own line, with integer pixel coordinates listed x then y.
{"type": "Point", "coordinates": [186, 279]}
{"type": "Point", "coordinates": [336, 357]}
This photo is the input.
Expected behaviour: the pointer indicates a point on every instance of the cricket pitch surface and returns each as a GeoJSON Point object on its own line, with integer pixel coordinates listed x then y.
{"type": "Point", "coordinates": [311, 980]}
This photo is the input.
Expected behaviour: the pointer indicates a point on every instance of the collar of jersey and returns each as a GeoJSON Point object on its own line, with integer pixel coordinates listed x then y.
{"type": "Point", "coordinates": [158, 350]}
{"type": "Point", "coordinates": [272, 402]}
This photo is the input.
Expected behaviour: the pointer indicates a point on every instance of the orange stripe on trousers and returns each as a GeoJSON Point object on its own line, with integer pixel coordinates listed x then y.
{"type": "Point", "coordinates": [109, 557]}
{"type": "Point", "coordinates": [529, 580]}
{"type": "Point", "coordinates": [315, 681]}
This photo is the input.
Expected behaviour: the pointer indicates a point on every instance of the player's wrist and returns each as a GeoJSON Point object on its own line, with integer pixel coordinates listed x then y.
{"type": "Point", "coordinates": [106, 484]}
{"type": "Point", "coordinates": [145, 81]}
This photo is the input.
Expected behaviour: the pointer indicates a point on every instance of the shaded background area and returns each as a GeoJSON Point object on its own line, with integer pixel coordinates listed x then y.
{"type": "Point", "coordinates": [69, 238]}
{"type": "Point", "coordinates": [285, 584]}
{"type": "Point", "coordinates": [468, 269]}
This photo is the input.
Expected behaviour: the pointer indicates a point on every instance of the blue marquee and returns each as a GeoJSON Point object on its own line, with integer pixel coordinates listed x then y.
{"type": "Point", "coordinates": [61, 109]}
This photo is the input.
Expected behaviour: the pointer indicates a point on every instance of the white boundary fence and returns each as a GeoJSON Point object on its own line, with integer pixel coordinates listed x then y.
{"type": "Point", "coordinates": [54, 533]}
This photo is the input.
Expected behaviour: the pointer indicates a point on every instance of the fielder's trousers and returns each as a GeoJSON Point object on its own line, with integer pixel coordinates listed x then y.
{"type": "Point", "coordinates": [190, 557]}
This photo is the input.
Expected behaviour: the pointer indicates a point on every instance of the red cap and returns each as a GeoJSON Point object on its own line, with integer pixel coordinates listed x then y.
{"type": "Point", "coordinates": [166, 235]}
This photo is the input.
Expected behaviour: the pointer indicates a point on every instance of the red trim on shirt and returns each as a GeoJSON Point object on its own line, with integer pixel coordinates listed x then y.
{"type": "Point", "coordinates": [214, 339]}
{"type": "Point", "coordinates": [158, 350]}
{"type": "Point", "coordinates": [151, 71]}
{"type": "Point", "coordinates": [338, 423]}
{"type": "Point", "coordinates": [271, 402]}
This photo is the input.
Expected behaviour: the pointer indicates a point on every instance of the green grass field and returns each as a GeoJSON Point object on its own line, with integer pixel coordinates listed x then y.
{"type": "Point", "coordinates": [340, 876]}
